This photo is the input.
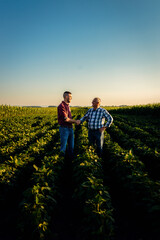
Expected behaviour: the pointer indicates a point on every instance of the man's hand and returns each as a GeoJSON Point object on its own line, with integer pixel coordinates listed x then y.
{"type": "Point", "coordinates": [69, 120]}
{"type": "Point", "coordinates": [78, 122]}
{"type": "Point", "coordinates": [102, 129]}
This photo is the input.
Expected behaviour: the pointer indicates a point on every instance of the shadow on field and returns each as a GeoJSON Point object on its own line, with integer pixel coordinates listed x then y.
{"type": "Point", "coordinates": [66, 219]}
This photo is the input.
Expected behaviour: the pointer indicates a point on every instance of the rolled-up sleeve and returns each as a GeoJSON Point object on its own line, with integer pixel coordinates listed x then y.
{"type": "Point", "coordinates": [108, 117]}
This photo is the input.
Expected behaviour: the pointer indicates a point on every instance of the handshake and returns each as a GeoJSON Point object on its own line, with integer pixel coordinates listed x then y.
{"type": "Point", "coordinates": [77, 122]}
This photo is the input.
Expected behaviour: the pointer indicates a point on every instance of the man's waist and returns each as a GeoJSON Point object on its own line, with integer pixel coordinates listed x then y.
{"type": "Point", "coordinates": [94, 129]}
{"type": "Point", "coordinates": [64, 126]}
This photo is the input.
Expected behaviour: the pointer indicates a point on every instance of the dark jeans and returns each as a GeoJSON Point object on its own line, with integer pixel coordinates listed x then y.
{"type": "Point", "coordinates": [96, 137]}
{"type": "Point", "coordinates": [67, 136]}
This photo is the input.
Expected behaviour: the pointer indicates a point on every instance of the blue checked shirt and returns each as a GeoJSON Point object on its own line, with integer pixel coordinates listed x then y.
{"type": "Point", "coordinates": [96, 118]}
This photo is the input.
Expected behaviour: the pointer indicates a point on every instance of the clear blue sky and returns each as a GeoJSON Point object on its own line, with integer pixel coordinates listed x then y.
{"type": "Point", "coordinates": [93, 48]}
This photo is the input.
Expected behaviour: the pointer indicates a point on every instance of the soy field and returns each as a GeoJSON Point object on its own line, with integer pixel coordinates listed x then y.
{"type": "Point", "coordinates": [45, 196]}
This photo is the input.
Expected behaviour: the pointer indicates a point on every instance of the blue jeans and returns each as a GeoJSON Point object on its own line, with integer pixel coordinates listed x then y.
{"type": "Point", "coordinates": [67, 136]}
{"type": "Point", "coordinates": [96, 137]}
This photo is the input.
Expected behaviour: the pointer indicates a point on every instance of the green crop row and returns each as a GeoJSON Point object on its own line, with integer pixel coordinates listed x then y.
{"type": "Point", "coordinates": [11, 168]}
{"type": "Point", "coordinates": [150, 157]}
{"type": "Point", "coordinates": [90, 192]}
{"type": "Point", "coordinates": [40, 200]}
{"type": "Point", "coordinates": [139, 195]}
{"type": "Point", "coordinates": [139, 133]}
{"type": "Point", "coordinates": [17, 128]}
{"type": "Point", "coordinates": [10, 111]}
{"type": "Point", "coordinates": [153, 109]}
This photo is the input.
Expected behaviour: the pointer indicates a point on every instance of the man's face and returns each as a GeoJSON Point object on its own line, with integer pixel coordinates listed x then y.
{"type": "Point", "coordinates": [95, 103]}
{"type": "Point", "coordinates": [68, 98]}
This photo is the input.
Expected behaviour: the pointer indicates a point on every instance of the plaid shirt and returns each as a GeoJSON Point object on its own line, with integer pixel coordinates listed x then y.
{"type": "Point", "coordinates": [96, 118]}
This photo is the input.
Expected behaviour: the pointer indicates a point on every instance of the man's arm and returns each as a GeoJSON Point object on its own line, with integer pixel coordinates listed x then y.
{"type": "Point", "coordinates": [108, 117]}
{"type": "Point", "coordinates": [65, 116]}
{"type": "Point", "coordinates": [84, 118]}
{"type": "Point", "coordinates": [69, 120]}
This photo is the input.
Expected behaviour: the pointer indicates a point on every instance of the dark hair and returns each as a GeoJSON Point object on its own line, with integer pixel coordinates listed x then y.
{"type": "Point", "coordinates": [66, 93]}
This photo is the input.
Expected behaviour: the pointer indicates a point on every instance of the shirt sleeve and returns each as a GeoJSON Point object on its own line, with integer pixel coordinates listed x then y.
{"type": "Point", "coordinates": [85, 117]}
{"type": "Point", "coordinates": [108, 117]}
{"type": "Point", "coordinates": [62, 112]}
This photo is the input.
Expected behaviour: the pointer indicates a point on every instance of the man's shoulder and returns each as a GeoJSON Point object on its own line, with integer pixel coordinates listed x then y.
{"type": "Point", "coordinates": [90, 110]}
{"type": "Point", "coordinates": [61, 105]}
{"type": "Point", "coordinates": [102, 109]}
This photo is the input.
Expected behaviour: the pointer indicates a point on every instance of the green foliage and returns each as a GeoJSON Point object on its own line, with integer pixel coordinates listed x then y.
{"type": "Point", "coordinates": [30, 164]}
{"type": "Point", "coordinates": [98, 220]}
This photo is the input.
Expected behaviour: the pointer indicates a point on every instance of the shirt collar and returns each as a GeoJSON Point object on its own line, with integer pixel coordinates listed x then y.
{"type": "Point", "coordinates": [96, 109]}
{"type": "Point", "coordinates": [65, 103]}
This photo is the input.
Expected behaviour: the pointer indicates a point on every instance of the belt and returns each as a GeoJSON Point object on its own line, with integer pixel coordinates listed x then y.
{"type": "Point", "coordinates": [66, 126]}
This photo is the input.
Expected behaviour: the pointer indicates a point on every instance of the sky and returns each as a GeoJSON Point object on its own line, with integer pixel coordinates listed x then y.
{"type": "Point", "coordinates": [92, 48]}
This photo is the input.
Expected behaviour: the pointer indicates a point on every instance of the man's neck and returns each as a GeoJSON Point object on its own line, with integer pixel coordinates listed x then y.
{"type": "Point", "coordinates": [66, 102]}
{"type": "Point", "coordinates": [96, 108]}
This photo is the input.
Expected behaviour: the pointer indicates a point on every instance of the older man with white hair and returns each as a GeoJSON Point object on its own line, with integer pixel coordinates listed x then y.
{"type": "Point", "coordinates": [96, 117]}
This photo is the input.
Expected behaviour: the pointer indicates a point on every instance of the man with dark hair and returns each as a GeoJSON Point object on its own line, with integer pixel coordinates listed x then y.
{"type": "Point", "coordinates": [96, 117]}
{"type": "Point", "coordinates": [65, 121]}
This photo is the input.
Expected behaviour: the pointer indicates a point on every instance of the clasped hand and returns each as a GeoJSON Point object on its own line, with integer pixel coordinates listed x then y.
{"type": "Point", "coordinates": [78, 122]}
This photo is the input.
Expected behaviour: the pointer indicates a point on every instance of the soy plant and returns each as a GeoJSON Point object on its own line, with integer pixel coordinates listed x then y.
{"type": "Point", "coordinates": [138, 133]}
{"type": "Point", "coordinates": [40, 200]}
{"type": "Point", "coordinates": [98, 209]}
{"type": "Point", "coordinates": [132, 183]}
{"type": "Point", "coordinates": [150, 157]}
{"type": "Point", "coordinates": [11, 169]}
{"type": "Point", "coordinates": [90, 193]}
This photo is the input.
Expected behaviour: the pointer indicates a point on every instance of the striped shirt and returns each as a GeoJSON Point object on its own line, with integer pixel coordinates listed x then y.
{"type": "Point", "coordinates": [96, 118]}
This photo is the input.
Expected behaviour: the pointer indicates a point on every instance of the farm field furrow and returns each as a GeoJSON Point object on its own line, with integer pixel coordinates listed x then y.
{"type": "Point", "coordinates": [141, 122]}
{"type": "Point", "coordinates": [46, 196]}
{"type": "Point", "coordinates": [138, 133]}
{"type": "Point", "coordinates": [136, 196]}
{"type": "Point", "coordinates": [148, 156]}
